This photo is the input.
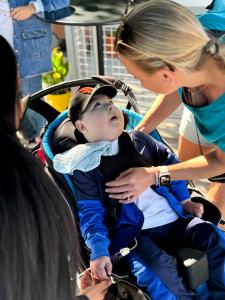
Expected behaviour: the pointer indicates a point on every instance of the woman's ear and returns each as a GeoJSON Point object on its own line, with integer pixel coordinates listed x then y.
{"type": "Point", "coordinates": [168, 75]}
{"type": "Point", "coordinates": [79, 124]}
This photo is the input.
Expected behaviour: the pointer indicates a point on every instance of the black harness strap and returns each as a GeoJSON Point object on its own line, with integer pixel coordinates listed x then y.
{"type": "Point", "coordinates": [112, 166]}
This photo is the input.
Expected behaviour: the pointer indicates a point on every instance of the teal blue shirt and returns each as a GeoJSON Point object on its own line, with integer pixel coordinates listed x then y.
{"type": "Point", "coordinates": [210, 120]}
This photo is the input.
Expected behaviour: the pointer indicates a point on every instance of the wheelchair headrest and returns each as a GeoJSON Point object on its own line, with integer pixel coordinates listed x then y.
{"type": "Point", "coordinates": [64, 137]}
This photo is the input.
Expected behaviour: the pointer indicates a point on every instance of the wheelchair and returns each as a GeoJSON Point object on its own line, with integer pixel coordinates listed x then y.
{"type": "Point", "coordinates": [58, 136]}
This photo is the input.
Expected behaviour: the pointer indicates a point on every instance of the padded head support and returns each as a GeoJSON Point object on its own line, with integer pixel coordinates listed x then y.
{"type": "Point", "coordinates": [64, 137]}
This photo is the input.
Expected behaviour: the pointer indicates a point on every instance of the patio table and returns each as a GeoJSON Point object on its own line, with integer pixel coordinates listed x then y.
{"type": "Point", "coordinates": [87, 13]}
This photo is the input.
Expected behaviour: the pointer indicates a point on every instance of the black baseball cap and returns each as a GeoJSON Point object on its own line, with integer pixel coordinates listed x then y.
{"type": "Point", "coordinates": [81, 100]}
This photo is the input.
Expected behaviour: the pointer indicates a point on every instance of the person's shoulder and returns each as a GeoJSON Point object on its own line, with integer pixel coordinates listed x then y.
{"type": "Point", "coordinates": [90, 177]}
{"type": "Point", "coordinates": [137, 134]}
{"type": "Point", "coordinates": [142, 137]}
{"type": "Point", "coordinates": [87, 174]}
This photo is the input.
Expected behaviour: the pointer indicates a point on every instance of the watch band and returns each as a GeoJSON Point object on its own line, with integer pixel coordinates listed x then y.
{"type": "Point", "coordinates": [162, 176]}
{"type": "Point", "coordinates": [157, 172]}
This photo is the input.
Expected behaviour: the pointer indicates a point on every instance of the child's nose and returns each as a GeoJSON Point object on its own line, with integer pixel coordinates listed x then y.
{"type": "Point", "coordinates": [110, 106]}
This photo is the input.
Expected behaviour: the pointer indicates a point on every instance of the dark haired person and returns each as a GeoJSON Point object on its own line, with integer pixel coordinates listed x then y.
{"type": "Point", "coordinates": [38, 245]}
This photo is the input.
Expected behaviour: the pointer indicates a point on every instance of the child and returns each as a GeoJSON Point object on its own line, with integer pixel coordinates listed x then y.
{"type": "Point", "coordinates": [157, 218]}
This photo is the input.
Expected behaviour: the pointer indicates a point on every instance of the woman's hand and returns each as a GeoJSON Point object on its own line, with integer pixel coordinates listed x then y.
{"type": "Point", "coordinates": [94, 291]}
{"type": "Point", "coordinates": [130, 184]}
{"type": "Point", "coordinates": [22, 13]}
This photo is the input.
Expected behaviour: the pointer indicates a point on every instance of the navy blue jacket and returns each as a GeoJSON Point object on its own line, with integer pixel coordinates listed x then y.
{"type": "Point", "coordinates": [92, 211]}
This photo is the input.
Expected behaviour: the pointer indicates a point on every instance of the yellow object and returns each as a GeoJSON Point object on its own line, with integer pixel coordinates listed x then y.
{"type": "Point", "coordinates": [59, 101]}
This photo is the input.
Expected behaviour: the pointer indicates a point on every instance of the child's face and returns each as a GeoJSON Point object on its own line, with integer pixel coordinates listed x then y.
{"type": "Point", "coordinates": [101, 121]}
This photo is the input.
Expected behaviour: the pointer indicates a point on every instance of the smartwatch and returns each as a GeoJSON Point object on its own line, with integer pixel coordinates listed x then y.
{"type": "Point", "coordinates": [163, 177]}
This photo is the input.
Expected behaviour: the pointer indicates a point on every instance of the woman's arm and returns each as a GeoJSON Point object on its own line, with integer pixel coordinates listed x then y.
{"type": "Point", "coordinates": [163, 107]}
{"type": "Point", "coordinates": [210, 165]}
{"type": "Point", "coordinates": [135, 180]}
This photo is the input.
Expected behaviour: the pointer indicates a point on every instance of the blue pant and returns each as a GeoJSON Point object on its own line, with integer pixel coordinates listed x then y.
{"type": "Point", "coordinates": [153, 265]}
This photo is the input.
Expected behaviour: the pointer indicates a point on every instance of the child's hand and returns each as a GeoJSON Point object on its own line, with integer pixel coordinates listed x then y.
{"type": "Point", "coordinates": [94, 291]}
{"type": "Point", "coordinates": [101, 268]}
{"type": "Point", "coordinates": [196, 209]}
{"type": "Point", "coordinates": [22, 13]}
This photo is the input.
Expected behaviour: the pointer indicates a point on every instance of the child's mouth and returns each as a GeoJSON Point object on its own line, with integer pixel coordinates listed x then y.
{"type": "Point", "coordinates": [113, 118]}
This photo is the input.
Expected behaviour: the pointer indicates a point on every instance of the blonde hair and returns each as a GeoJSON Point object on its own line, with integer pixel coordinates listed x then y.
{"type": "Point", "coordinates": [163, 33]}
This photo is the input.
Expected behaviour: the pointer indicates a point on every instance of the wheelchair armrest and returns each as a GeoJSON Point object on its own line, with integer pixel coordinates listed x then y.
{"type": "Point", "coordinates": [219, 178]}
{"type": "Point", "coordinates": [192, 264]}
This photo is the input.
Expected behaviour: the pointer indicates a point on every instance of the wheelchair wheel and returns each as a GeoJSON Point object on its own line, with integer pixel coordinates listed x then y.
{"type": "Point", "coordinates": [124, 290]}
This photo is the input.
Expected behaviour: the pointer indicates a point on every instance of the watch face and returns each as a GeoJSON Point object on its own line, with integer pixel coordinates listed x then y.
{"type": "Point", "coordinates": [165, 180]}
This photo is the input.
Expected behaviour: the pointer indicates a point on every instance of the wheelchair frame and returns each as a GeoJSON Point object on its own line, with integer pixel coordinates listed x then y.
{"type": "Point", "coordinates": [33, 102]}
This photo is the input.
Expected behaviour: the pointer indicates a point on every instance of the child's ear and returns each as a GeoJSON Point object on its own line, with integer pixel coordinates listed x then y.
{"type": "Point", "coordinates": [80, 126]}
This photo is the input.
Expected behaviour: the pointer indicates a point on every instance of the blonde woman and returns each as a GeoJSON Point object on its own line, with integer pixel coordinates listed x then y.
{"type": "Point", "coordinates": [161, 43]}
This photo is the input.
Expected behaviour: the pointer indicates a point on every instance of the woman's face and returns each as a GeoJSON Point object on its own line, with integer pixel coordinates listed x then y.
{"type": "Point", "coordinates": [162, 81]}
